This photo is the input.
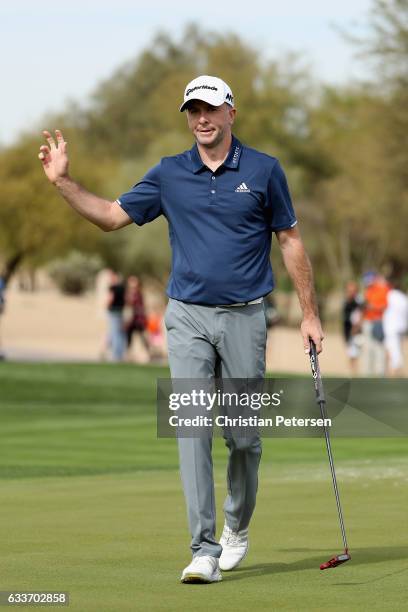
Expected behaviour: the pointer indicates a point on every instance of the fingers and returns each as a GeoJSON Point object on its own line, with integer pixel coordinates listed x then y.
{"type": "Point", "coordinates": [306, 343]}
{"type": "Point", "coordinates": [44, 153]}
{"type": "Point", "coordinates": [318, 342]}
{"type": "Point", "coordinates": [60, 139]}
{"type": "Point", "coordinates": [62, 145]}
{"type": "Point", "coordinates": [317, 339]}
{"type": "Point", "coordinates": [312, 330]}
{"type": "Point", "coordinates": [49, 139]}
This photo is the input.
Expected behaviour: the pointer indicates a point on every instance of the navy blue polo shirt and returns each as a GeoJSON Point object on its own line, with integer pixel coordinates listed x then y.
{"type": "Point", "coordinates": [220, 223]}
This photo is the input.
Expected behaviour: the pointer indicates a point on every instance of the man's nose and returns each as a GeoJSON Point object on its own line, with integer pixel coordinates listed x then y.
{"type": "Point", "coordinates": [203, 118]}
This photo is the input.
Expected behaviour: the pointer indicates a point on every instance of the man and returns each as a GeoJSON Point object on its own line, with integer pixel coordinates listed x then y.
{"type": "Point", "coordinates": [375, 303]}
{"type": "Point", "coordinates": [136, 321]}
{"type": "Point", "coordinates": [115, 305]}
{"type": "Point", "coordinates": [395, 323]}
{"type": "Point", "coordinates": [222, 201]}
{"type": "Point", "coordinates": [352, 318]}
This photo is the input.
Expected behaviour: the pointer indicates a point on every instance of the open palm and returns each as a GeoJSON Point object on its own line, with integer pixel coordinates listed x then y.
{"type": "Point", "coordinates": [54, 156]}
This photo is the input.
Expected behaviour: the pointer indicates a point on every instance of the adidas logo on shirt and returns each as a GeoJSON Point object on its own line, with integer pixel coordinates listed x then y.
{"type": "Point", "coordinates": [242, 188]}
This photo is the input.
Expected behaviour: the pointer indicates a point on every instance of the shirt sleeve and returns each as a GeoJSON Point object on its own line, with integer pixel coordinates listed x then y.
{"type": "Point", "coordinates": [143, 202]}
{"type": "Point", "coordinates": [280, 207]}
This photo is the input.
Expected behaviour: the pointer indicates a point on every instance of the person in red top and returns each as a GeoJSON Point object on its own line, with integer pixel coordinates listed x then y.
{"type": "Point", "coordinates": [135, 321]}
{"type": "Point", "coordinates": [375, 303]}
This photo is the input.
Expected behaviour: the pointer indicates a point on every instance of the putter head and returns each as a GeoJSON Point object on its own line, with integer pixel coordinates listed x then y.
{"type": "Point", "coordinates": [335, 561]}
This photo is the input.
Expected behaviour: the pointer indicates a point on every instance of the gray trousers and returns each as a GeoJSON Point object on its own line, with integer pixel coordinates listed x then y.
{"type": "Point", "coordinates": [226, 342]}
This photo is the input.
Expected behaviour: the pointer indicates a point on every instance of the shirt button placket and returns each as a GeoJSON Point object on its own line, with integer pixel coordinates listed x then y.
{"type": "Point", "coordinates": [212, 190]}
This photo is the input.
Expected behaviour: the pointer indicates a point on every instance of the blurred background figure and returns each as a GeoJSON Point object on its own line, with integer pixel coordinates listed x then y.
{"type": "Point", "coordinates": [102, 284]}
{"type": "Point", "coordinates": [2, 306]}
{"type": "Point", "coordinates": [352, 324]}
{"type": "Point", "coordinates": [156, 333]}
{"type": "Point", "coordinates": [395, 322]}
{"type": "Point", "coordinates": [375, 303]}
{"type": "Point", "coordinates": [271, 313]}
{"type": "Point", "coordinates": [272, 318]}
{"type": "Point", "coordinates": [135, 317]}
{"type": "Point", "coordinates": [115, 306]}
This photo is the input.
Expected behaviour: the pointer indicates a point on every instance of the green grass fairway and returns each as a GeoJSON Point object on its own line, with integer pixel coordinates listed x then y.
{"type": "Point", "coordinates": [91, 503]}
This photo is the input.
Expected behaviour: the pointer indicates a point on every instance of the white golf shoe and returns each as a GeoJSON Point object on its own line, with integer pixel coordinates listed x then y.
{"type": "Point", "coordinates": [202, 569]}
{"type": "Point", "coordinates": [234, 547]}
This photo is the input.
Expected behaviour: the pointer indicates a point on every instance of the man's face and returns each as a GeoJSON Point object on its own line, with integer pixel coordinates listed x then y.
{"type": "Point", "coordinates": [351, 289]}
{"type": "Point", "coordinates": [210, 124]}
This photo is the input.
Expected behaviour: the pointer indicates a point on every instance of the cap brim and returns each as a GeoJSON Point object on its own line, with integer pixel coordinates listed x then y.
{"type": "Point", "coordinates": [204, 98]}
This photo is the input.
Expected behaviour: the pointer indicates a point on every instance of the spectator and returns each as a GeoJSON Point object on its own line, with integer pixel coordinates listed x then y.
{"type": "Point", "coordinates": [135, 315]}
{"type": "Point", "coordinates": [352, 324]}
{"type": "Point", "coordinates": [375, 302]}
{"type": "Point", "coordinates": [156, 335]}
{"type": "Point", "coordinates": [271, 314]}
{"type": "Point", "coordinates": [395, 322]}
{"type": "Point", "coordinates": [115, 306]}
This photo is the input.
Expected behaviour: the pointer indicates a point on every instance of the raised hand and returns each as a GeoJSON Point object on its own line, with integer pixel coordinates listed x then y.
{"type": "Point", "coordinates": [54, 157]}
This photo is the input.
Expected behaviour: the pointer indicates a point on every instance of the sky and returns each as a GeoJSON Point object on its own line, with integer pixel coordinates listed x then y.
{"type": "Point", "coordinates": [54, 51]}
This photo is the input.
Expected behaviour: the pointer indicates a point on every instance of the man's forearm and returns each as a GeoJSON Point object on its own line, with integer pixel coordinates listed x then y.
{"type": "Point", "coordinates": [95, 209]}
{"type": "Point", "coordinates": [300, 270]}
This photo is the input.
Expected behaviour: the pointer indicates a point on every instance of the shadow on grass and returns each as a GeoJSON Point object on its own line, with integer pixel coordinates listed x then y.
{"type": "Point", "coordinates": [376, 579]}
{"type": "Point", "coordinates": [360, 556]}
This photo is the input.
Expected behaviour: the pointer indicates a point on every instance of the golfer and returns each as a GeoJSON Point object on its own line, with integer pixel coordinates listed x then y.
{"type": "Point", "coordinates": [222, 200]}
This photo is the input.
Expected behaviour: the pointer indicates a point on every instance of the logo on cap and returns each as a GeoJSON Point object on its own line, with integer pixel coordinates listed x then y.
{"type": "Point", "coordinates": [189, 91]}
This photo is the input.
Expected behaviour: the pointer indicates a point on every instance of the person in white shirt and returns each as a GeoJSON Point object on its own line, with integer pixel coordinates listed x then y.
{"type": "Point", "coordinates": [395, 324]}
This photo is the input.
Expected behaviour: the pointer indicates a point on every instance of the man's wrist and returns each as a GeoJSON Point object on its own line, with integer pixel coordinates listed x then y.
{"type": "Point", "coordinates": [60, 181]}
{"type": "Point", "coordinates": [307, 316]}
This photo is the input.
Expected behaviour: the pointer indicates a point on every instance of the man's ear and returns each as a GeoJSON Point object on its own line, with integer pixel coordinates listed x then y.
{"type": "Point", "coordinates": [232, 113]}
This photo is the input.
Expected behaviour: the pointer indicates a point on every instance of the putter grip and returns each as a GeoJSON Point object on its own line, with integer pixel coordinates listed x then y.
{"type": "Point", "coordinates": [317, 379]}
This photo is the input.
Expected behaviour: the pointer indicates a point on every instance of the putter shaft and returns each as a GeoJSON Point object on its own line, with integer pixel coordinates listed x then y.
{"type": "Point", "coordinates": [314, 362]}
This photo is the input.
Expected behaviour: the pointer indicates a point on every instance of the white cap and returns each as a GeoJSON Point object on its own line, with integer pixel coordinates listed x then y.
{"type": "Point", "coordinates": [209, 89]}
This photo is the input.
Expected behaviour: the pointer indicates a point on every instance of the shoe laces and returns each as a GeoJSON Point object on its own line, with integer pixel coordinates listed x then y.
{"type": "Point", "coordinates": [234, 538]}
{"type": "Point", "coordinates": [199, 560]}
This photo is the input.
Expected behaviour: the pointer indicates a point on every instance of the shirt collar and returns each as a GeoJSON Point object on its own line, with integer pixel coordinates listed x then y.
{"type": "Point", "coordinates": [231, 161]}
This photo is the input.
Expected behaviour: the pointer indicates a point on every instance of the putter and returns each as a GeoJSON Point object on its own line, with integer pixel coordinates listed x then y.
{"type": "Point", "coordinates": [318, 384]}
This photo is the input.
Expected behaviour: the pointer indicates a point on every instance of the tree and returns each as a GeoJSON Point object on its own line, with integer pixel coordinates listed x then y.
{"type": "Point", "coordinates": [343, 148]}
{"type": "Point", "coordinates": [134, 117]}
{"type": "Point", "coordinates": [35, 225]}
{"type": "Point", "coordinates": [386, 46]}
